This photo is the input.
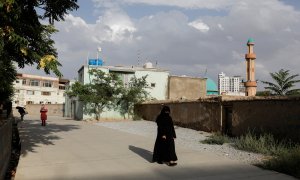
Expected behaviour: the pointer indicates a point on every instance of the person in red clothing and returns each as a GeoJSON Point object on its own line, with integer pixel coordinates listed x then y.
{"type": "Point", "coordinates": [43, 112]}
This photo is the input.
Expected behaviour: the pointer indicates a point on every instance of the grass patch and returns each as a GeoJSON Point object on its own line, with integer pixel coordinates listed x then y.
{"type": "Point", "coordinates": [288, 163]}
{"type": "Point", "coordinates": [217, 138]}
{"type": "Point", "coordinates": [264, 144]}
{"type": "Point", "coordinates": [285, 155]}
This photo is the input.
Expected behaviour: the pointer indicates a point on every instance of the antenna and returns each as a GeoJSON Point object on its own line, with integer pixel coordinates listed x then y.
{"type": "Point", "coordinates": [205, 72]}
{"type": "Point", "coordinates": [87, 58]}
{"type": "Point", "coordinates": [98, 51]}
{"type": "Point", "coordinates": [139, 56]}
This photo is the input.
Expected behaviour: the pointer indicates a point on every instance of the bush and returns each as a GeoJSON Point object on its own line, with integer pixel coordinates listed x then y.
{"type": "Point", "coordinates": [288, 163]}
{"type": "Point", "coordinates": [264, 144]}
{"type": "Point", "coordinates": [217, 138]}
{"type": "Point", "coordinates": [285, 154]}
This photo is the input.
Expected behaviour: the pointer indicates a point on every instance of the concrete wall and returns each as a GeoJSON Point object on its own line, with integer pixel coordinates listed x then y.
{"type": "Point", "coordinates": [280, 117]}
{"type": "Point", "coordinates": [233, 115]}
{"type": "Point", "coordinates": [160, 82]}
{"type": "Point", "coordinates": [21, 96]}
{"type": "Point", "coordinates": [199, 115]}
{"type": "Point", "coordinates": [5, 146]}
{"type": "Point", "coordinates": [53, 109]}
{"type": "Point", "coordinates": [186, 87]}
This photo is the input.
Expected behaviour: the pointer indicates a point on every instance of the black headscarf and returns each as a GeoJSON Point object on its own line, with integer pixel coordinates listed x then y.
{"type": "Point", "coordinates": [165, 110]}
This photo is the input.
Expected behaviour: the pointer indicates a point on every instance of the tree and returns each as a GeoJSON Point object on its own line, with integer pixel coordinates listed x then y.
{"type": "Point", "coordinates": [24, 39]}
{"type": "Point", "coordinates": [101, 93]}
{"type": "Point", "coordinates": [263, 93]}
{"type": "Point", "coordinates": [133, 94]}
{"type": "Point", "coordinates": [284, 82]}
{"type": "Point", "coordinates": [7, 76]}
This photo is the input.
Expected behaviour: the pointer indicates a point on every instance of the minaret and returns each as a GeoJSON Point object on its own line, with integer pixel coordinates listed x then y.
{"type": "Point", "coordinates": [250, 84]}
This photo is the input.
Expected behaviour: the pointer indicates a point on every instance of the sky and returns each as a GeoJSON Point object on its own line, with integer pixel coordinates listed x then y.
{"type": "Point", "coordinates": [197, 38]}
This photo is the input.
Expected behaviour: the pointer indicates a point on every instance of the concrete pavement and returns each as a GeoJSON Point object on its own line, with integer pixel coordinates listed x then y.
{"type": "Point", "coordinates": [68, 149]}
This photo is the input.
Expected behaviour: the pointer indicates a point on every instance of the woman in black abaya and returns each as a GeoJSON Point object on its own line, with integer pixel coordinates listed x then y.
{"type": "Point", "coordinates": [164, 148]}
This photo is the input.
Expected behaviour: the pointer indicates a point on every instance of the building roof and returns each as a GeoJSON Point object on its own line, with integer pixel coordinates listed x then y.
{"type": "Point", "coordinates": [126, 68]}
{"type": "Point", "coordinates": [211, 85]}
{"type": "Point", "coordinates": [250, 40]}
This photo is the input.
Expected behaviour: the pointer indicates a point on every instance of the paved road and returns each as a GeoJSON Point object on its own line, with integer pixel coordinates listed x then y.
{"type": "Point", "coordinates": [68, 149]}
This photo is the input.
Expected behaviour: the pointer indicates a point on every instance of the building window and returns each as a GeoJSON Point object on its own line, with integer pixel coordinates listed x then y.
{"type": "Point", "coordinates": [47, 84]}
{"type": "Point", "coordinates": [41, 102]}
{"type": "Point", "coordinates": [24, 81]}
{"type": "Point", "coordinates": [17, 91]}
{"type": "Point", "coordinates": [49, 103]}
{"type": "Point", "coordinates": [29, 102]}
{"type": "Point", "coordinates": [16, 102]}
{"type": "Point", "coordinates": [29, 92]}
{"type": "Point", "coordinates": [17, 81]}
{"type": "Point", "coordinates": [152, 84]}
{"type": "Point", "coordinates": [34, 82]}
{"type": "Point", "coordinates": [46, 93]}
{"type": "Point", "coordinates": [62, 87]}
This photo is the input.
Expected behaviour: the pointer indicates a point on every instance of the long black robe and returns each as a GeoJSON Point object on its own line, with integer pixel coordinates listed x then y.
{"type": "Point", "coordinates": [164, 149]}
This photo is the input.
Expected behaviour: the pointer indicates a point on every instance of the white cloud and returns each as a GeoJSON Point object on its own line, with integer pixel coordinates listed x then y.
{"type": "Point", "coordinates": [118, 23]}
{"type": "Point", "coordinates": [198, 24]}
{"type": "Point", "coordinates": [167, 37]}
{"type": "Point", "coordinates": [221, 27]}
{"type": "Point", "coordinates": [190, 4]}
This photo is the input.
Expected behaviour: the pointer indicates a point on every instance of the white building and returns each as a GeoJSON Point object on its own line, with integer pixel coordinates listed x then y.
{"type": "Point", "coordinates": [157, 80]}
{"type": "Point", "coordinates": [33, 89]}
{"type": "Point", "coordinates": [230, 85]}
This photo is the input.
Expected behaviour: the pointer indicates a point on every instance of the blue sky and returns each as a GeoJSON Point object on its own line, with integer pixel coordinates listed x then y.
{"type": "Point", "coordinates": [185, 37]}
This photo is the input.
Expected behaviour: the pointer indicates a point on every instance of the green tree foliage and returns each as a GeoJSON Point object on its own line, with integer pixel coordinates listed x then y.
{"type": "Point", "coordinates": [284, 82]}
{"type": "Point", "coordinates": [24, 39]}
{"type": "Point", "coordinates": [7, 76]}
{"type": "Point", "coordinates": [133, 94]}
{"type": "Point", "coordinates": [101, 93]}
{"type": "Point", "coordinates": [263, 93]}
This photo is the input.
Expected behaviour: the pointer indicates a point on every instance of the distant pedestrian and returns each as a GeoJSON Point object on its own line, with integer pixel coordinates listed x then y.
{"type": "Point", "coordinates": [22, 111]}
{"type": "Point", "coordinates": [43, 112]}
{"type": "Point", "coordinates": [164, 148]}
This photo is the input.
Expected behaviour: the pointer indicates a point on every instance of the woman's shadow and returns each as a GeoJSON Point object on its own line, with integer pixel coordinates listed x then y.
{"type": "Point", "coordinates": [147, 155]}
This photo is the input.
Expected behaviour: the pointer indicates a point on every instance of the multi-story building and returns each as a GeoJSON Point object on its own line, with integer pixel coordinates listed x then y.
{"type": "Point", "coordinates": [157, 80]}
{"type": "Point", "coordinates": [33, 89]}
{"type": "Point", "coordinates": [230, 85]}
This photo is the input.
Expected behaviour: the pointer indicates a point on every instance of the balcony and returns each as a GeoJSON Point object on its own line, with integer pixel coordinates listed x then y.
{"type": "Point", "coordinates": [250, 56]}
{"type": "Point", "coordinates": [250, 84]}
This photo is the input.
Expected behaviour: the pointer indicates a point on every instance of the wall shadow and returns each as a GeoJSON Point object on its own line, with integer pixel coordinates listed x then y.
{"type": "Point", "coordinates": [32, 134]}
{"type": "Point", "coordinates": [147, 155]}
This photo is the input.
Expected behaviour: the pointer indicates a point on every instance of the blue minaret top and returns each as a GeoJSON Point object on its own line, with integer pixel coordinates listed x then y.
{"type": "Point", "coordinates": [250, 40]}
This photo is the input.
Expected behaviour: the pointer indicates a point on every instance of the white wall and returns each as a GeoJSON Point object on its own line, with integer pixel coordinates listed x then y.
{"type": "Point", "coordinates": [21, 94]}
{"type": "Point", "coordinates": [160, 79]}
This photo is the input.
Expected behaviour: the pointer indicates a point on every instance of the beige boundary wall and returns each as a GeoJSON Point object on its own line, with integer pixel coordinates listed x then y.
{"type": "Point", "coordinates": [5, 146]}
{"type": "Point", "coordinates": [200, 115]}
{"type": "Point", "coordinates": [232, 115]}
{"type": "Point", "coordinates": [53, 109]}
{"type": "Point", "coordinates": [279, 116]}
